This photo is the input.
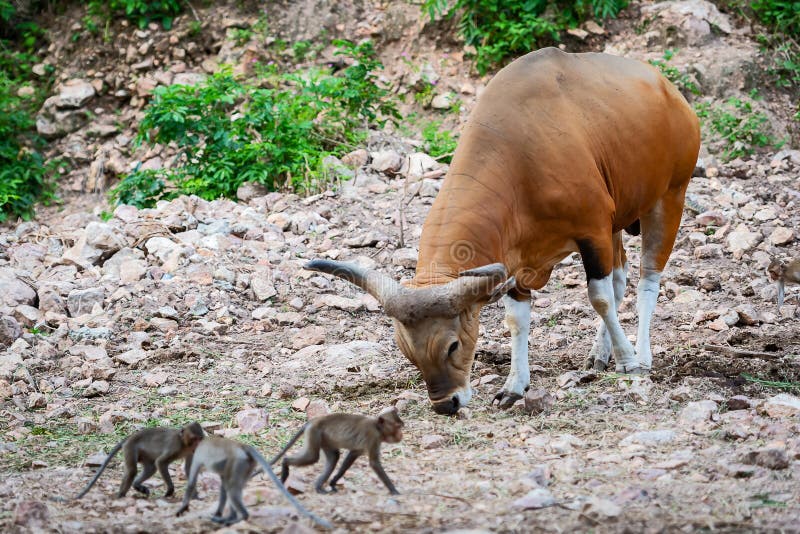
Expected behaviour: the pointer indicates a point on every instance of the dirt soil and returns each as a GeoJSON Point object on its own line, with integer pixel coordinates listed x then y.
{"type": "Point", "coordinates": [707, 442]}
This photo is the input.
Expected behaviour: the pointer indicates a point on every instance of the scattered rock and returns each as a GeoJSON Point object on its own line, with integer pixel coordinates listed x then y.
{"type": "Point", "coordinates": [317, 408]}
{"type": "Point", "coordinates": [781, 405]}
{"type": "Point", "coordinates": [600, 509]}
{"type": "Point", "coordinates": [432, 441]}
{"type": "Point", "coordinates": [698, 411]}
{"type": "Point", "coordinates": [781, 236]}
{"type": "Point", "coordinates": [649, 438]}
{"type": "Point", "coordinates": [251, 420]}
{"type": "Point", "coordinates": [538, 401]}
{"type": "Point", "coordinates": [82, 301]}
{"type": "Point", "coordinates": [738, 402]}
{"type": "Point", "coordinates": [310, 335]}
{"type": "Point", "coordinates": [535, 499]}
{"type": "Point", "coordinates": [301, 404]}
{"type": "Point", "coordinates": [32, 514]}
{"type": "Point", "coordinates": [769, 457]}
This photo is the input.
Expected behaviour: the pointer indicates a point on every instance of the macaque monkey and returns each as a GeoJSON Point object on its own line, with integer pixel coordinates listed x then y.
{"type": "Point", "coordinates": [357, 433]}
{"type": "Point", "coordinates": [155, 449]}
{"type": "Point", "coordinates": [234, 463]}
{"type": "Point", "coordinates": [782, 273]}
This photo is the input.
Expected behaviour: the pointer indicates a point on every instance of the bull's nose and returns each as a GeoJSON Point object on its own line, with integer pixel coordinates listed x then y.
{"type": "Point", "coordinates": [447, 407]}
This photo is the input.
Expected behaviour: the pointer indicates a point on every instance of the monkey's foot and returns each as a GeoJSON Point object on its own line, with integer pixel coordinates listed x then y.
{"type": "Point", "coordinates": [169, 493]}
{"type": "Point", "coordinates": [322, 490]}
{"type": "Point", "coordinates": [143, 490]}
{"type": "Point", "coordinates": [506, 399]}
{"type": "Point", "coordinates": [333, 489]}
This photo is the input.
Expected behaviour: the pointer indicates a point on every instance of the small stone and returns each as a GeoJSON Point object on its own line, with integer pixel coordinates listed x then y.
{"type": "Point", "coordinates": [535, 499]}
{"type": "Point", "coordinates": [310, 335]}
{"type": "Point", "coordinates": [442, 101]}
{"type": "Point", "coordinates": [781, 236]}
{"type": "Point", "coordinates": [742, 240]}
{"type": "Point", "coordinates": [769, 457]}
{"type": "Point", "coordinates": [163, 325]}
{"type": "Point", "coordinates": [356, 159]}
{"type": "Point", "coordinates": [698, 411]}
{"type": "Point", "coordinates": [10, 331]}
{"type": "Point", "coordinates": [36, 400]}
{"type": "Point", "coordinates": [649, 438]}
{"type": "Point", "coordinates": [599, 509]}
{"type": "Point", "coordinates": [32, 514]}
{"type": "Point", "coordinates": [301, 404]}
{"type": "Point", "coordinates": [82, 301]}
{"type": "Point", "coordinates": [251, 420]}
{"type": "Point", "coordinates": [538, 401]}
{"type": "Point", "coordinates": [386, 161]}
{"type": "Point", "coordinates": [711, 218]}
{"type": "Point", "coordinates": [432, 441]}
{"type": "Point", "coordinates": [75, 93]}
{"type": "Point", "coordinates": [250, 190]}
{"type": "Point", "coordinates": [317, 408]}
{"type": "Point", "coordinates": [747, 315]}
{"type": "Point", "coordinates": [738, 402]}
{"type": "Point", "coordinates": [96, 388]}
{"type": "Point", "coordinates": [263, 288]}
{"type": "Point", "coordinates": [132, 357]}
{"type": "Point", "coordinates": [736, 470]}
{"type": "Point", "coordinates": [782, 405]}
{"type": "Point", "coordinates": [405, 257]}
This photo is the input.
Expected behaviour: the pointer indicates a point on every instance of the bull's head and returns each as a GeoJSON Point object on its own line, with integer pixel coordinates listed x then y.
{"type": "Point", "coordinates": [436, 327]}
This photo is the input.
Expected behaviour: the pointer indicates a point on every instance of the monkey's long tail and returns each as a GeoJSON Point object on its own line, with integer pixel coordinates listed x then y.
{"type": "Point", "coordinates": [102, 468]}
{"type": "Point", "coordinates": [781, 293]}
{"type": "Point", "coordinates": [289, 445]}
{"type": "Point", "coordinates": [266, 467]}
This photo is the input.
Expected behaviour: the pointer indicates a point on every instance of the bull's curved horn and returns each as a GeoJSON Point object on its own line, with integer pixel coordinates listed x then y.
{"type": "Point", "coordinates": [496, 271]}
{"type": "Point", "coordinates": [377, 284]}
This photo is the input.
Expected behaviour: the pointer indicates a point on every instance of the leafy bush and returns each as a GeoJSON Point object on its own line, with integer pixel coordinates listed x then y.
{"type": "Point", "coordinates": [500, 30]}
{"type": "Point", "coordinates": [440, 144]}
{"type": "Point", "coordinates": [229, 131]}
{"type": "Point", "coordinates": [140, 12]}
{"type": "Point", "coordinates": [780, 15]}
{"type": "Point", "coordinates": [738, 125]}
{"type": "Point", "coordinates": [23, 174]}
{"type": "Point", "coordinates": [683, 81]}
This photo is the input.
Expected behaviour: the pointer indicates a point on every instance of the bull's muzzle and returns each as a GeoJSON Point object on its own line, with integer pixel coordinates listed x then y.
{"type": "Point", "coordinates": [447, 406]}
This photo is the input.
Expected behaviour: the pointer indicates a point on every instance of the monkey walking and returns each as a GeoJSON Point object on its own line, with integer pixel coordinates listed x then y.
{"type": "Point", "coordinates": [782, 273]}
{"type": "Point", "coordinates": [155, 449]}
{"type": "Point", "coordinates": [234, 463]}
{"type": "Point", "coordinates": [357, 433]}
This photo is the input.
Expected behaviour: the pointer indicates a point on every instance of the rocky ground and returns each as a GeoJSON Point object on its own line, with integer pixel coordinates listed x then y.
{"type": "Point", "coordinates": [201, 310]}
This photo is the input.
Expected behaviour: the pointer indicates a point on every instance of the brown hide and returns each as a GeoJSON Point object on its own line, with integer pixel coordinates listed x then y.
{"type": "Point", "coordinates": [560, 148]}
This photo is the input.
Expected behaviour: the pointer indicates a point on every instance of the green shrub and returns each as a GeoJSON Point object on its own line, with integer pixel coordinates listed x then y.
{"type": "Point", "coordinates": [141, 12]}
{"type": "Point", "coordinates": [23, 174]}
{"type": "Point", "coordinates": [229, 131]}
{"type": "Point", "coordinates": [738, 125]}
{"type": "Point", "coordinates": [682, 81]}
{"type": "Point", "coordinates": [440, 144]}
{"type": "Point", "coordinates": [500, 30]}
{"type": "Point", "coordinates": [780, 15]}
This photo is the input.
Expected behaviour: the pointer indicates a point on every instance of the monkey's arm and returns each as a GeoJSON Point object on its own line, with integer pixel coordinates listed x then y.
{"type": "Point", "coordinates": [375, 464]}
{"type": "Point", "coordinates": [781, 293]}
{"type": "Point", "coordinates": [190, 489]}
{"type": "Point", "coordinates": [289, 497]}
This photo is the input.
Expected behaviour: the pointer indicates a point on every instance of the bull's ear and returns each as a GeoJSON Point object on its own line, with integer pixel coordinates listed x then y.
{"type": "Point", "coordinates": [377, 284]}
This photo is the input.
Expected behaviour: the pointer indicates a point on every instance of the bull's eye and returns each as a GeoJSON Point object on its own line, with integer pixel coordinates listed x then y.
{"type": "Point", "coordinates": [452, 349]}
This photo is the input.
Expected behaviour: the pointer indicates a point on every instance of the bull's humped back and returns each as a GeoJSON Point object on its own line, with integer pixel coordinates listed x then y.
{"type": "Point", "coordinates": [553, 137]}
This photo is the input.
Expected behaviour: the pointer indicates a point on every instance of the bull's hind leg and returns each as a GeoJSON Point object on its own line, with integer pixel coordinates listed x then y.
{"type": "Point", "coordinates": [601, 350]}
{"type": "Point", "coordinates": [597, 255]}
{"type": "Point", "coordinates": [659, 228]}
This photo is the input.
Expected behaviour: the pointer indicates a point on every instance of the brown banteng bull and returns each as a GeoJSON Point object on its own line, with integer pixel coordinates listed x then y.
{"type": "Point", "coordinates": [561, 153]}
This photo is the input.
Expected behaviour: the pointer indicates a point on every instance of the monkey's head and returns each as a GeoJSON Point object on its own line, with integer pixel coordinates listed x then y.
{"type": "Point", "coordinates": [192, 434]}
{"type": "Point", "coordinates": [390, 425]}
{"type": "Point", "coordinates": [776, 270]}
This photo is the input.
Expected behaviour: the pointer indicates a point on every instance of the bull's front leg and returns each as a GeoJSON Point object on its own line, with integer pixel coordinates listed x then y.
{"type": "Point", "coordinates": [601, 295]}
{"type": "Point", "coordinates": [518, 321]}
{"type": "Point", "coordinates": [601, 349]}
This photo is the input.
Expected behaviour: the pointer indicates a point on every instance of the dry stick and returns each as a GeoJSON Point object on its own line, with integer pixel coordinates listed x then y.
{"type": "Point", "coordinates": [740, 353]}
{"type": "Point", "coordinates": [193, 11]}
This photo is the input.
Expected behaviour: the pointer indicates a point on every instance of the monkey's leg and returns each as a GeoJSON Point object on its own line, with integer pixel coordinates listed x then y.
{"type": "Point", "coordinates": [331, 459]}
{"type": "Point", "coordinates": [163, 467]}
{"type": "Point", "coordinates": [309, 455]}
{"type": "Point", "coordinates": [348, 461]}
{"type": "Point", "coordinates": [148, 469]}
{"type": "Point", "coordinates": [187, 469]}
{"type": "Point", "coordinates": [131, 460]}
{"type": "Point", "coordinates": [190, 489]}
{"type": "Point", "coordinates": [375, 464]}
{"type": "Point", "coordinates": [240, 474]}
{"type": "Point", "coordinates": [223, 498]}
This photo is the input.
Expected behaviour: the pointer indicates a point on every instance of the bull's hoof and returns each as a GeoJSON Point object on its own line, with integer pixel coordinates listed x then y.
{"type": "Point", "coordinates": [506, 399]}
{"type": "Point", "coordinates": [594, 364]}
{"type": "Point", "coordinates": [631, 370]}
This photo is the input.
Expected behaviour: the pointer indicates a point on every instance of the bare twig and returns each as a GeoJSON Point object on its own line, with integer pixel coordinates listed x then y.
{"type": "Point", "coordinates": [193, 10]}
{"type": "Point", "coordinates": [740, 353]}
